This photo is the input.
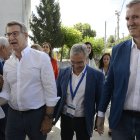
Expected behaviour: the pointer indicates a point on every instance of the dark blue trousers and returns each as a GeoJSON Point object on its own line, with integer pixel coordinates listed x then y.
{"type": "Point", "coordinates": [3, 122]}
{"type": "Point", "coordinates": [128, 127]}
{"type": "Point", "coordinates": [70, 125]}
{"type": "Point", "coordinates": [22, 123]}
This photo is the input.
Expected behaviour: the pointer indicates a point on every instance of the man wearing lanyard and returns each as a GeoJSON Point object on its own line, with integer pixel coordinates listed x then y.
{"type": "Point", "coordinates": [80, 88]}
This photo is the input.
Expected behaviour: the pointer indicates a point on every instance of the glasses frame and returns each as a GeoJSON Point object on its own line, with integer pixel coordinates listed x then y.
{"type": "Point", "coordinates": [14, 34]}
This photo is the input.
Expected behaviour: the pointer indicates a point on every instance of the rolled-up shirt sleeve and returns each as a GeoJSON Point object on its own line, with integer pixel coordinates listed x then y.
{"type": "Point", "coordinates": [48, 81]}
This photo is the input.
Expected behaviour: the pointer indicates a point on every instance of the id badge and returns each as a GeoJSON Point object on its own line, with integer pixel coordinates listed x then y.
{"type": "Point", "coordinates": [70, 110]}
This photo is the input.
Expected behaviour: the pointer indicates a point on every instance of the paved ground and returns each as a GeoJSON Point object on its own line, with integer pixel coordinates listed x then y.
{"type": "Point", "coordinates": [55, 133]}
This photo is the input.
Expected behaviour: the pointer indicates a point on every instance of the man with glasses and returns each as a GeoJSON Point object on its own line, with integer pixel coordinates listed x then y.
{"type": "Point", "coordinates": [80, 88]}
{"type": "Point", "coordinates": [29, 87]}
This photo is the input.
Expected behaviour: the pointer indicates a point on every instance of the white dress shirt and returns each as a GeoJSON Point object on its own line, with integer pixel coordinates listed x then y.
{"type": "Point", "coordinates": [132, 100]}
{"type": "Point", "coordinates": [29, 83]}
{"type": "Point", "coordinates": [2, 114]}
{"type": "Point", "coordinates": [78, 101]}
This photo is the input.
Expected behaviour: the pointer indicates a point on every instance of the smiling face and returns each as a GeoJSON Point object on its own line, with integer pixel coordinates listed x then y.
{"type": "Point", "coordinates": [106, 60]}
{"type": "Point", "coordinates": [133, 20]}
{"type": "Point", "coordinates": [16, 37]}
{"type": "Point", "coordinates": [46, 48]}
{"type": "Point", "coordinates": [88, 48]}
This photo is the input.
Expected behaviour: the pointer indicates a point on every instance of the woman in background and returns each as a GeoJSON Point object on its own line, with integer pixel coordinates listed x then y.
{"type": "Point", "coordinates": [90, 60]}
{"type": "Point", "coordinates": [48, 49]}
{"type": "Point", "coordinates": [104, 63]}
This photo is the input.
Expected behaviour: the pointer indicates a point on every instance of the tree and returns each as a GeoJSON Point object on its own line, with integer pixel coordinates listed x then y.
{"type": "Point", "coordinates": [46, 26]}
{"type": "Point", "coordinates": [110, 41]}
{"type": "Point", "coordinates": [70, 37]}
{"type": "Point", "coordinates": [85, 29]}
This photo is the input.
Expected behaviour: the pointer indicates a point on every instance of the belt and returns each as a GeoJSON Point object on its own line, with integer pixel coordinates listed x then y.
{"type": "Point", "coordinates": [132, 113]}
{"type": "Point", "coordinates": [27, 111]}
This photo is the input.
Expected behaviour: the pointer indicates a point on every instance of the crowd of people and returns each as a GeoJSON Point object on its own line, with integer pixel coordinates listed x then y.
{"type": "Point", "coordinates": [35, 92]}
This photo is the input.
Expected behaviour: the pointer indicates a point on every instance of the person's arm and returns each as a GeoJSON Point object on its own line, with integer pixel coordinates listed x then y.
{"type": "Point", "coordinates": [100, 122]}
{"type": "Point", "coordinates": [4, 94]}
{"type": "Point", "coordinates": [47, 123]}
{"type": "Point", "coordinates": [50, 93]}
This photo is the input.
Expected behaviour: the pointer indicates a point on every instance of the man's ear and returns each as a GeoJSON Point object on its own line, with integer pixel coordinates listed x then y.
{"type": "Point", "coordinates": [1, 48]}
{"type": "Point", "coordinates": [26, 35]}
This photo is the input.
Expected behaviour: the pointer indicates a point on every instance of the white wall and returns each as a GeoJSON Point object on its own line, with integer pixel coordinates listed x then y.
{"type": "Point", "coordinates": [18, 10]}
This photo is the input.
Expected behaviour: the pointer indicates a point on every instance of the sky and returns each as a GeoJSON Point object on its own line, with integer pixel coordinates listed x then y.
{"type": "Point", "coordinates": [93, 12]}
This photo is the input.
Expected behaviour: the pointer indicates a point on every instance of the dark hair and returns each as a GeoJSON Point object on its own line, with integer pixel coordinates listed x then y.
{"type": "Point", "coordinates": [49, 45]}
{"type": "Point", "coordinates": [21, 25]}
{"type": "Point", "coordinates": [101, 64]}
{"type": "Point", "coordinates": [132, 2]}
{"type": "Point", "coordinates": [91, 53]}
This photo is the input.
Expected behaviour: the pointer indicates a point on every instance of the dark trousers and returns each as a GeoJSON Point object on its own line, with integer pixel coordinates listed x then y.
{"type": "Point", "coordinates": [22, 123]}
{"type": "Point", "coordinates": [70, 125]}
{"type": "Point", "coordinates": [3, 122]}
{"type": "Point", "coordinates": [128, 127]}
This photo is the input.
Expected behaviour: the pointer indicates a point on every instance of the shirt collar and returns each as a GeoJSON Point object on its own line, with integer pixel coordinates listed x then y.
{"type": "Point", "coordinates": [23, 52]}
{"type": "Point", "coordinates": [81, 72]}
{"type": "Point", "coordinates": [133, 44]}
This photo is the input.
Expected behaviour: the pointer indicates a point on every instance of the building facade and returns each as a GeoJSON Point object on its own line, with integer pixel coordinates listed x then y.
{"type": "Point", "coordinates": [19, 10]}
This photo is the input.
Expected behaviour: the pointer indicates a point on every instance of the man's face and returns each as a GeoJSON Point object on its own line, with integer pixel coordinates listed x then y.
{"type": "Point", "coordinates": [133, 20]}
{"type": "Point", "coordinates": [78, 62]}
{"type": "Point", "coordinates": [16, 37]}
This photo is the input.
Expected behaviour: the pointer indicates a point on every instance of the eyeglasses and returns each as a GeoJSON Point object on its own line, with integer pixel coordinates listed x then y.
{"type": "Point", "coordinates": [14, 34]}
{"type": "Point", "coordinates": [77, 63]}
{"type": "Point", "coordinates": [45, 46]}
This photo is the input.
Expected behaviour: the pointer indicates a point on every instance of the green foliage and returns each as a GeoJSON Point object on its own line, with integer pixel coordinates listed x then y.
{"type": "Point", "coordinates": [65, 52]}
{"type": "Point", "coordinates": [85, 29]}
{"type": "Point", "coordinates": [98, 44]}
{"type": "Point", "coordinates": [46, 26]}
{"type": "Point", "coordinates": [71, 36]}
{"type": "Point", "coordinates": [111, 39]}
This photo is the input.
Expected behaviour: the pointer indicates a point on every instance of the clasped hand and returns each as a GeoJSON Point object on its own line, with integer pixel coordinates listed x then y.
{"type": "Point", "coordinates": [100, 125]}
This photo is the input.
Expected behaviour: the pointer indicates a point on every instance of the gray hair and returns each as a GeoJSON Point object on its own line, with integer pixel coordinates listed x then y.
{"type": "Point", "coordinates": [132, 2]}
{"type": "Point", "coordinates": [79, 48]}
{"type": "Point", "coordinates": [4, 42]}
{"type": "Point", "coordinates": [21, 25]}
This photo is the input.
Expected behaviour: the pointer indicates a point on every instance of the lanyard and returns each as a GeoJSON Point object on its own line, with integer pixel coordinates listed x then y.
{"type": "Point", "coordinates": [75, 91]}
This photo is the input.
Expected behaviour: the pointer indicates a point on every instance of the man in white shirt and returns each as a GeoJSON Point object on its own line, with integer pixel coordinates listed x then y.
{"type": "Point", "coordinates": [80, 88]}
{"type": "Point", "coordinates": [122, 86]}
{"type": "Point", "coordinates": [29, 87]}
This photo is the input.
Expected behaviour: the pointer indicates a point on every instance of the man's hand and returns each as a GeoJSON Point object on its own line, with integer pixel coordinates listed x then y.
{"type": "Point", "coordinates": [100, 125]}
{"type": "Point", "coordinates": [46, 125]}
{"type": "Point", "coordinates": [1, 82]}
